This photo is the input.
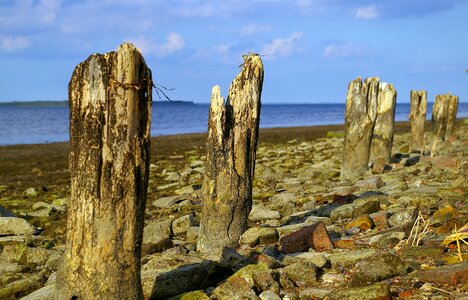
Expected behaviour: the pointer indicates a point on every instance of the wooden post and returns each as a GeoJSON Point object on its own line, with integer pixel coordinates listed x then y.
{"type": "Point", "coordinates": [439, 117]}
{"type": "Point", "coordinates": [451, 115]}
{"type": "Point", "coordinates": [417, 117]}
{"type": "Point", "coordinates": [360, 116]}
{"type": "Point", "coordinates": [231, 149]}
{"type": "Point", "coordinates": [382, 138]}
{"type": "Point", "coordinates": [110, 105]}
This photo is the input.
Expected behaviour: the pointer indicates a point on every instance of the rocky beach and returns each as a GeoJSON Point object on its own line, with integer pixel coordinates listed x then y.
{"type": "Point", "coordinates": [395, 233]}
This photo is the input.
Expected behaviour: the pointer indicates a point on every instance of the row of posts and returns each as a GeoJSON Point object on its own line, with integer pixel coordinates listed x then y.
{"type": "Point", "coordinates": [110, 105]}
{"type": "Point", "coordinates": [369, 122]}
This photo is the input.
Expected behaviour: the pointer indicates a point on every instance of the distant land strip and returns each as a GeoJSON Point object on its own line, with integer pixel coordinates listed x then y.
{"type": "Point", "coordinates": [65, 103]}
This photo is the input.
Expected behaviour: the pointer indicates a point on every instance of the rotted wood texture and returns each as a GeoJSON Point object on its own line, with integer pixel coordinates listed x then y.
{"type": "Point", "coordinates": [439, 117]}
{"type": "Point", "coordinates": [382, 137]}
{"type": "Point", "coordinates": [417, 117]}
{"type": "Point", "coordinates": [110, 105]}
{"type": "Point", "coordinates": [451, 115]}
{"type": "Point", "coordinates": [360, 116]}
{"type": "Point", "coordinates": [230, 160]}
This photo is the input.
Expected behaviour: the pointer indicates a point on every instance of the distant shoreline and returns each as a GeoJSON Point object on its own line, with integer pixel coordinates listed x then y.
{"type": "Point", "coordinates": [61, 103]}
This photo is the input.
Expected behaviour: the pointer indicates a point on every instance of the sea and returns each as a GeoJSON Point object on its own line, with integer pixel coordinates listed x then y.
{"type": "Point", "coordinates": [47, 122]}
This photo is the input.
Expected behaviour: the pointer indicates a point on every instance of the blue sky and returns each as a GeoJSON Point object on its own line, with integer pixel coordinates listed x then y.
{"type": "Point", "coordinates": [311, 48]}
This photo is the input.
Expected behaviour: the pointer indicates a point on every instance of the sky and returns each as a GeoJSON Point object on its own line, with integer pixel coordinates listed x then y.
{"type": "Point", "coordinates": [311, 49]}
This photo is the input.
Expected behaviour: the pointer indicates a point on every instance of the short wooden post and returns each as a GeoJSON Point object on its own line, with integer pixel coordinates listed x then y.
{"type": "Point", "coordinates": [439, 117]}
{"type": "Point", "coordinates": [360, 116]}
{"type": "Point", "coordinates": [230, 160]}
{"type": "Point", "coordinates": [417, 117]}
{"type": "Point", "coordinates": [110, 105]}
{"type": "Point", "coordinates": [451, 115]}
{"type": "Point", "coordinates": [382, 137]}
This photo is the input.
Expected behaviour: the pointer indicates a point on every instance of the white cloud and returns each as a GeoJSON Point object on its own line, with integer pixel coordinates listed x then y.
{"type": "Point", "coordinates": [174, 43]}
{"type": "Point", "coordinates": [14, 43]}
{"type": "Point", "coordinates": [253, 29]}
{"type": "Point", "coordinates": [366, 12]}
{"type": "Point", "coordinates": [344, 51]}
{"type": "Point", "coordinates": [282, 47]}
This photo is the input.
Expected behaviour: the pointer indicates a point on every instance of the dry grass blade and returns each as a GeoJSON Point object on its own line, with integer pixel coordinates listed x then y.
{"type": "Point", "coordinates": [418, 231]}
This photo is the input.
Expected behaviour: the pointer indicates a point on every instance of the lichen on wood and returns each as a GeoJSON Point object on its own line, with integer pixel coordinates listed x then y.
{"type": "Point", "coordinates": [230, 160]}
{"type": "Point", "coordinates": [417, 117]}
{"type": "Point", "coordinates": [110, 106]}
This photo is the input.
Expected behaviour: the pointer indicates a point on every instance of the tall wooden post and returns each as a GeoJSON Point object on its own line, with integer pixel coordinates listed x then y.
{"type": "Point", "coordinates": [451, 115]}
{"type": "Point", "coordinates": [417, 117]}
{"type": "Point", "coordinates": [110, 105]}
{"type": "Point", "coordinates": [439, 117]}
{"type": "Point", "coordinates": [382, 137]}
{"type": "Point", "coordinates": [230, 160]}
{"type": "Point", "coordinates": [360, 116]}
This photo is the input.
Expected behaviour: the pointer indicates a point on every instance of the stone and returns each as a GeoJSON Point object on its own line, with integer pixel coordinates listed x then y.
{"type": "Point", "coordinates": [31, 192]}
{"type": "Point", "coordinates": [269, 295]}
{"type": "Point", "coordinates": [16, 226]}
{"type": "Point", "coordinates": [345, 243]}
{"type": "Point", "coordinates": [236, 289]}
{"type": "Point", "coordinates": [378, 165]}
{"type": "Point", "coordinates": [355, 209]}
{"type": "Point", "coordinates": [422, 251]}
{"type": "Point", "coordinates": [6, 213]}
{"type": "Point", "coordinates": [301, 273]}
{"type": "Point", "coordinates": [312, 236]}
{"type": "Point", "coordinates": [387, 239]}
{"type": "Point", "coordinates": [443, 214]}
{"type": "Point", "coordinates": [47, 292]}
{"type": "Point", "coordinates": [379, 291]}
{"type": "Point", "coordinates": [166, 276]}
{"type": "Point", "coordinates": [264, 281]}
{"type": "Point", "coordinates": [315, 219]}
{"type": "Point", "coordinates": [371, 183]}
{"type": "Point", "coordinates": [378, 268]}
{"type": "Point", "coordinates": [380, 219]}
{"type": "Point", "coordinates": [316, 258]}
{"type": "Point", "coordinates": [166, 202]}
{"type": "Point", "coordinates": [156, 236]}
{"type": "Point", "coordinates": [350, 258]}
{"type": "Point", "coordinates": [405, 217]}
{"type": "Point", "coordinates": [194, 295]}
{"type": "Point", "coordinates": [261, 213]}
{"type": "Point", "coordinates": [23, 286]}
{"type": "Point", "coordinates": [450, 274]}
{"type": "Point", "coordinates": [192, 233]}
{"type": "Point", "coordinates": [256, 235]}
{"type": "Point", "coordinates": [363, 222]}
{"type": "Point", "coordinates": [182, 224]}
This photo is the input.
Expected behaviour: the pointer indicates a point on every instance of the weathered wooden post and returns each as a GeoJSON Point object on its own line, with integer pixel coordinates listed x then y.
{"type": "Point", "coordinates": [451, 114]}
{"type": "Point", "coordinates": [417, 117]}
{"type": "Point", "coordinates": [360, 116]}
{"type": "Point", "coordinates": [231, 150]}
{"type": "Point", "coordinates": [439, 117]}
{"type": "Point", "coordinates": [110, 105]}
{"type": "Point", "coordinates": [382, 138]}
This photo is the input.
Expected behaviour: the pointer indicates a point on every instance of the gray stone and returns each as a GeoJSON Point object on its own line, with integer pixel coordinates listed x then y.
{"type": "Point", "coordinates": [269, 295]}
{"type": "Point", "coordinates": [167, 276]}
{"type": "Point", "coordinates": [370, 292]}
{"type": "Point", "coordinates": [378, 268]}
{"type": "Point", "coordinates": [182, 224]}
{"type": "Point", "coordinates": [355, 209]}
{"type": "Point", "coordinates": [404, 217]}
{"type": "Point", "coordinates": [259, 235]}
{"type": "Point", "coordinates": [47, 292]}
{"type": "Point", "coordinates": [300, 274]}
{"type": "Point", "coordinates": [31, 192]}
{"type": "Point", "coordinates": [261, 213]}
{"type": "Point", "coordinates": [6, 213]}
{"type": "Point", "coordinates": [317, 258]}
{"type": "Point", "coordinates": [386, 238]}
{"type": "Point", "coordinates": [315, 219]}
{"type": "Point", "coordinates": [166, 202]}
{"type": "Point", "coordinates": [350, 258]}
{"type": "Point", "coordinates": [156, 236]}
{"type": "Point", "coordinates": [16, 226]}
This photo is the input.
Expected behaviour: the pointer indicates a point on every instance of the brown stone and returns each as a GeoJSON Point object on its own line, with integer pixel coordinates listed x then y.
{"type": "Point", "coordinates": [313, 236]}
{"type": "Point", "coordinates": [345, 243]}
{"type": "Point", "coordinates": [380, 219]}
{"type": "Point", "coordinates": [378, 165]}
{"type": "Point", "coordinates": [450, 274]}
{"type": "Point", "coordinates": [363, 222]}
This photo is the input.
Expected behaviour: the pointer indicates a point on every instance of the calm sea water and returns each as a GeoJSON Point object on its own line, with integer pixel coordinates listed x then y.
{"type": "Point", "coordinates": [30, 124]}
